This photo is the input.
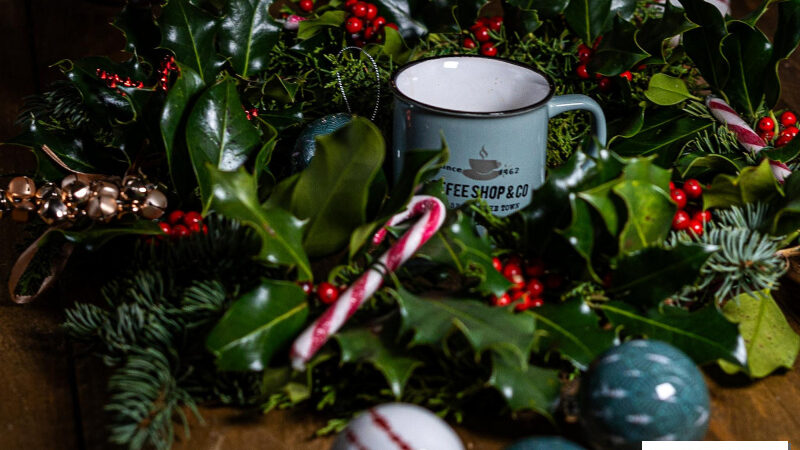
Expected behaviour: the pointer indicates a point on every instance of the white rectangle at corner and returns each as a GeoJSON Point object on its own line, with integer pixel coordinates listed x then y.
{"type": "Point", "coordinates": [716, 445]}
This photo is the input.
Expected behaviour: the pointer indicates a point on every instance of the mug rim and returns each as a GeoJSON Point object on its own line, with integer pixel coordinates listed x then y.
{"type": "Point", "coordinates": [509, 112]}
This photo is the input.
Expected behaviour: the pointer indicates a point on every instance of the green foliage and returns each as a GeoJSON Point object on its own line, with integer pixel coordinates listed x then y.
{"type": "Point", "coordinates": [666, 90]}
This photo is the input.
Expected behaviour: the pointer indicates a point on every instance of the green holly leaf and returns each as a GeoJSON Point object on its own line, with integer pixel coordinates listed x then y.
{"type": "Point", "coordinates": [648, 276]}
{"type": "Point", "coordinates": [527, 387]}
{"type": "Point", "coordinates": [333, 191]}
{"type": "Point", "coordinates": [784, 154]}
{"type": "Point", "coordinates": [651, 36]}
{"type": "Point", "coordinates": [399, 12]}
{"type": "Point", "coordinates": [329, 19]}
{"type": "Point", "coordinates": [704, 335]}
{"type": "Point", "coordinates": [189, 33]}
{"type": "Point", "coordinates": [704, 43]}
{"type": "Point", "coordinates": [618, 51]}
{"type": "Point", "coordinates": [459, 246]}
{"type": "Point", "coordinates": [697, 163]}
{"type": "Point", "coordinates": [787, 216]}
{"type": "Point", "coordinates": [94, 238]}
{"type": "Point", "coordinates": [785, 40]}
{"type": "Point", "coordinates": [235, 195]}
{"type": "Point", "coordinates": [218, 134]}
{"type": "Point", "coordinates": [754, 183]}
{"type": "Point", "coordinates": [666, 90]}
{"type": "Point", "coordinates": [104, 104]}
{"type": "Point", "coordinates": [364, 344]}
{"type": "Point", "coordinates": [580, 232]}
{"type": "Point", "coordinates": [247, 35]}
{"type": "Point", "coordinates": [587, 18]}
{"type": "Point", "coordinates": [258, 324]}
{"type": "Point", "coordinates": [771, 343]}
{"type": "Point", "coordinates": [572, 329]}
{"type": "Point", "coordinates": [430, 322]}
{"type": "Point", "coordinates": [69, 149]}
{"type": "Point", "coordinates": [749, 52]}
{"type": "Point", "coordinates": [545, 8]}
{"type": "Point", "coordinates": [139, 28]}
{"type": "Point", "coordinates": [180, 100]}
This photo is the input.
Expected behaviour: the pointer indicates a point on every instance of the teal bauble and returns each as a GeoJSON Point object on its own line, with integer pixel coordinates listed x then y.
{"type": "Point", "coordinates": [544, 443]}
{"type": "Point", "coordinates": [643, 391]}
{"type": "Point", "coordinates": [306, 144]}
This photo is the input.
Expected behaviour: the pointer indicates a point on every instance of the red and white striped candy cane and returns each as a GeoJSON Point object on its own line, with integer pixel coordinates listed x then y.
{"type": "Point", "coordinates": [431, 213]}
{"type": "Point", "coordinates": [744, 134]}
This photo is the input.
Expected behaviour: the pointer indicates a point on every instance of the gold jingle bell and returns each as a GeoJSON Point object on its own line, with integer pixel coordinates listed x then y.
{"type": "Point", "coordinates": [76, 189]}
{"type": "Point", "coordinates": [53, 210]}
{"type": "Point", "coordinates": [101, 207]}
{"type": "Point", "coordinates": [5, 206]}
{"type": "Point", "coordinates": [48, 190]}
{"type": "Point", "coordinates": [134, 190]}
{"type": "Point", "coordinates": [20, 193]}
{"type": "Point", "coordinates": [154, 204]}
{"type": "Point", "coordinates": [105, 188]}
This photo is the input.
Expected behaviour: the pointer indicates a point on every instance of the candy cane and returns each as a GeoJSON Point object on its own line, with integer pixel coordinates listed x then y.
{"type": "Point", "coordinates": [431, 213]}
{"type": "Point", "coordinates": [744, 134]}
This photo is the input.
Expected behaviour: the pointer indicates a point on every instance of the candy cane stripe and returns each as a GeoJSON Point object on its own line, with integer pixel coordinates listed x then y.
{"type": "Point", "coordinates": [430, 211]}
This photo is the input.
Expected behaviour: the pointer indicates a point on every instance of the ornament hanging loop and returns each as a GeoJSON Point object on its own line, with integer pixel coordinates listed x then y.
{"type": "Point", "coordinates": [377, 81]}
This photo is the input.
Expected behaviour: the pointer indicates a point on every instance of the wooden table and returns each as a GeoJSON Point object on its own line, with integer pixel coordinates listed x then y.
{"type": "Point", "coordinates": [51, 398]}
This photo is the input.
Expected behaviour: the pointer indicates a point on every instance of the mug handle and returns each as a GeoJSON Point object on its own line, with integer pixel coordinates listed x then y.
{"type": "Point", "coordinates": [571, 102]}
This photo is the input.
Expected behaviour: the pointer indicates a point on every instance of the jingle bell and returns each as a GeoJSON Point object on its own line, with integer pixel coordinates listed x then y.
{"type": "Point", "coordinates": [134, 190]}
{"type": "Point", "coordinates": [48, 190]}
{"type": "Point", "coordinates": [105, 188]}
{"type": "Point", "coordinates": [101, 207]}
{"type": "Point", "coordinates": [5, 206]}
{"type": "Point", "coordinates": [154, 205]}
{"type": "Point", "coordinates": [20, 193]}
{"type": "Point", "coordinates": [76, 189]}
{"type": "Point", "coordinates": [53, 210]}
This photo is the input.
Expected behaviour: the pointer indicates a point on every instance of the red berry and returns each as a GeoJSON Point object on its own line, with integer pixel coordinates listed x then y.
{"type": "Point", "coordinates": [627, 75]}
{"type": "Point", "coordinates": [680, 221]}
{"type": "Point", "coordinates": [604, 84]}
{"type": "Point", "coordinates": [175, 216]}
{"type": "Point", "coordinates": [192, 217]}
{"type": "Point", "coordinates": [393, 26]}
{"type": "Point", "coordinates": [165, 227]}
{"type": "Point", "coordinates": [696, 227]}
{"type": "Point", "coordinates": [196, 227]}
{"type": "Point", "coordinates": [790, 131]}
{"type": "Point", "coordinates": [378, 22]}
{"type": "Point", "coordinates": [788, 119]}
{"type": "Point", "coordinates": [582, 71]}
{"type": "Point", "coordinates": [359, 9]}
{"type": "Point", "coordinates": [702, 216]}
{"type": "Point", "coordinates": [497, 264]}
{"type": "Point", "coordinates": [535, 303]}
{"type": "Point", "coordinates": [511, 271]}
{"type": "Point", "coordinates": [469, 43]}
{"type": "Point", "coordinates": [307, 287]}
{"type": "Point", "coordinates": [782, 140]}
{"type": "Point", "coordinates": [495, 23]}
{"type": "Point", "coordinates": [369, 32]}
{"type": "Point", "coordinates": [482, 34]}
{"type": "Point", "coordinates": [671, 186]}
{"type": "Point", "coordinates": [372, 11]}
{"type": "Point", "coordinates": [482, 21]}
{"type": "Point", "coordinates": [179, 231]}
{"type": "Point", "coordinates": [766, 124]}
{"type": "Point", "coordinates": [693, 188]}
{"type": "Point", "coordinates": [350, 3]}
{"type": "Point", "coordinates": [584, 54]}
{"type": "Point", "coordinates": [767, 136]}
{"type": "Point", "coordinates": [535, 288]}
{"type": "Point", "coordinates": [353, 25]}
{"type": "Point", "coordinates": [524, 304]}
{"type": "Point", "coordinates": [488, 49]}
{"type": "Point", "coordinates": [503, 300]}
{"type": "Point", "coordinates": [535, 268]}
{"type": "Point", "coordinates": [327, 292]}
{"type": "Point", "coordinates": [306, 5]}
{"type": "Point", "coordinates": [679, 197]}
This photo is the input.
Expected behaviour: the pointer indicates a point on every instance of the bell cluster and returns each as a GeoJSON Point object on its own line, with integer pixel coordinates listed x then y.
{"type": "Point", "coordinates": [79, 195]}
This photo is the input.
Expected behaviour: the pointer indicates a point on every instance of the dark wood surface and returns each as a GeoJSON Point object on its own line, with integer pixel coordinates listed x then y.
{"type": "Point", "coordinates": [51, 398]}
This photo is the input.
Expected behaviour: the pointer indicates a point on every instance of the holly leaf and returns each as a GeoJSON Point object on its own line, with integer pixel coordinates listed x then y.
{"type": "Point", "coordinates": [104, 104]}
{"type": "Point", "coordinates": [587, 18]}
{"type": "Point", "coordinates": [235, 195]}
{"type": "Point", "coordinates": [698, 163]}
{"type": "Point", "coordinates": [787, 216]}
{"type": "Point", "coordinates": [666, 90]}
{"type": "Point", "coordinates": [754, 183]}
{"type": "Point", "coordinates": [179, 102]}
{"type": "Point", "coordinates": [329, 19]}
{"type": "Point", "coordinates": [258, 324]}
{"type": "Point", "coordinates": [499, 330]}
{"type": "Point", "coordinates": [139, 28]}
{"type": "Point", "coordinates": [572, 329]}
{"type": "Point", "coordinates": [651, 36]}
{"type": "Point", "coordinates": [618, 51]}
{"type": "Point", "coordinates": [770, 341]}
{"type": "Point", "coordinates": [648, 276]}
{"type": "Point", "coordinates": [218, 134]}
{"type": "Point", "coordinates": [704, 335]}
{"type": "Point", "coordinates": [580, 232]}
{"type": "Point", "coordinates": [749, 52]}
{"type": "Point", "coordinates": [458, 245]}
{"type": "Point", "coordinates": [528, 387]}
{"type": "Point", "coordinates": [189, 33]}
{"type": "Point", "coordinates": [704, 43]}
{"type": "Point", "coordinates": [333, 191]}
{"type": "Point", "coordinates": [365, 345]}
{"type": "Point", "coordinates": [399, 12]}
{"type": "Point", "coordinates": [95, 237]}
{"type": "Point", "coordinates": [247, 35]}
{"type": "Point", "coordinates": [546, 8]}
{"type": "Point", "coordinates": [785, 40]}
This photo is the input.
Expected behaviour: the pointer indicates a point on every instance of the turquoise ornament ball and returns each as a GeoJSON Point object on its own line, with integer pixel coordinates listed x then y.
{"type": "Point", "coordinates": [643, 391]}
{"type": "Point", "coordinates": [305, 146]}
{"type": "Point", "coordinates": [544, 443]}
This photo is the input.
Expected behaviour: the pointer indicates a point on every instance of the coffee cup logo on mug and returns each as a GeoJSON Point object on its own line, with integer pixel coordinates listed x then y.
{"type": "Point", "coordinates": [493, 114]}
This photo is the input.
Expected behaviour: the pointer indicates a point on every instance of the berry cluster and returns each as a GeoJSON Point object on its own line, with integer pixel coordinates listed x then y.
{"type": "Point", "coordinates": [168, 66]}
{"type": "Point", "coordinates": [180, 224]}
{"type": "Point", "coordinates": [326, 292]}
{"type": "Point", "coordinates": [250, 112]}
{"type": "Point", "coordinates": [364, 24]}
{"type": "Point", "coordinates": [785, 130]}
{"type": "Point", "coordinates": [113, 80]}
{"type": "Point", "coordinates": [527, 288]}
{"type": "Point", "coordinates": [692, 218]}
{"type": "Point", "coordinates": [482, 33]}
{"type": "Point", "coordinates": [585, 54]}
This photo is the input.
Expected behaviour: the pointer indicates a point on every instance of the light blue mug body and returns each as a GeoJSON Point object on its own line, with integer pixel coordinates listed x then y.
{"type": "Point", "coordinates": [493, 114]}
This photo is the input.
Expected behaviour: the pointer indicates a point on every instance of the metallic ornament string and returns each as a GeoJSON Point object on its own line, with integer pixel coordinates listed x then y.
{"type": "Point", "coordinates": [377, 82]}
